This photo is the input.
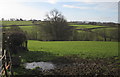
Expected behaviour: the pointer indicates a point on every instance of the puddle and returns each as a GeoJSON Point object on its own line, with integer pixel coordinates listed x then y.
{"type": "Point", "coordinates": [42, 65]}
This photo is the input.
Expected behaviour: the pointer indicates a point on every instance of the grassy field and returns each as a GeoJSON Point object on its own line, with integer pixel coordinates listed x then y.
{"type": "Point", "coordinates": [107, 29]}
{"type": "Point", "coordinates": [7, 23]}
{"type": "Point", "coordinates": [86, 26]}
{"type": "Point", "coordinates": [82, 48]}
{"type": "Point", "coordinates": [29, 25]}
{"type": "Point", "coordinates": [87, 53]}
{"type": "Point", "coordinates": [46, 51]}
{"type": "Point", "coordinates": [28, 29]}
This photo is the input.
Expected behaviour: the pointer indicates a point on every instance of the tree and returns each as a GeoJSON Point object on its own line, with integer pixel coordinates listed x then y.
{"type": "Point", "coordinates": [55, 27]}
{"type": "Point", "coordinates": [2, 19]}
{"type": "Point", "coordinates": [21, 19]}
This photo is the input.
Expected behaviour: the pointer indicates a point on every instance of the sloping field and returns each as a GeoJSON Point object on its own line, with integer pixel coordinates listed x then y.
{"type": "Point", "coordinates": [84, 49]}
{"type": "Point", "coordinates": [86, 26]}
{"type": "Point", "coordinates": [7, 23]}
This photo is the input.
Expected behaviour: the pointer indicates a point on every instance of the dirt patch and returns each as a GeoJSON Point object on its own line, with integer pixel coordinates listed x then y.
{"type": "Point", "coordinates": [75, 66]}
{"type": "Point", "coordinates": [71, 65]}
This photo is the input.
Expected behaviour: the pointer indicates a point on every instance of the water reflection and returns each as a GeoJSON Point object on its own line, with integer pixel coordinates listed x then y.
{"type": "Point", "coordinates": [42, 65]}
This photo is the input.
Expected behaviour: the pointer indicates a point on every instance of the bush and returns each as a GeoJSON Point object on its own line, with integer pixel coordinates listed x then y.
{"type": "Point", "coordinates": [14, 40]}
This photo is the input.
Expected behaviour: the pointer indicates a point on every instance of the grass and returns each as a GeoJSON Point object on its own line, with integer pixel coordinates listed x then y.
{"type": "Point", "coordinates": [84, 49]}
{"type": "Point", "coordinates": [107, 29]}
{"type": "Point", "coordinates": [53, 50]}
{"type": "Point", "coordinates": [7, 23]}
{"type": "Point", "coordinates": [86, 26]}
{"type": "Point", "coordinates": [29, 29]}
{"type": "Point", "coordinates": [29, 23]}
{"type": "Point", "coordinates": [29, 26]}
{"type": "Point", "coordinates": [47, 51]}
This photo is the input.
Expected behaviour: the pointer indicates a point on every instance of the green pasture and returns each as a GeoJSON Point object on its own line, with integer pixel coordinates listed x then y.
{"type": "Point", "coordinates": [7, 23]}
{"type": "Point", "coordinates": [107, 29]}
{"type": "Point", "coordinates": [29, 25]}
{"type": "Point", "coordinates": [86, 26]}
{"type": "Point", "coordinates": [28, 29]}
{"type": "Point", "coordinates": [47, 50]}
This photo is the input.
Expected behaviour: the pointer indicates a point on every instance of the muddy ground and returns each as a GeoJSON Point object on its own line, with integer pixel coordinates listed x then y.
{"type": "Point", "coordinates": [76, 66]}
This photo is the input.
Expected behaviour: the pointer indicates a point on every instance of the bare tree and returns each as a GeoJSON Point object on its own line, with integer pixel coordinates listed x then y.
{"type": "Point", "coordinates": [56, 27]}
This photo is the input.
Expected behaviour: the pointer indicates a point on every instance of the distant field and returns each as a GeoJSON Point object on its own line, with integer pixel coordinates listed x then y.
{"type": "Point", "coordinates": [27, 28]}
{"type": "Point", "coordinates": [86, 26]}
{"type": "Point", "coordinates": [84, 49]}
{"type": "Point", "coordinates": [7, 23]}
{"type": "Point", "coordinates": [107, 29]}
{"type": "Point", "coordinates": [29, 23]}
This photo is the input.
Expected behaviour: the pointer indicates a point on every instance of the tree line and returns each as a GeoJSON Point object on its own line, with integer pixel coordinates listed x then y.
{"type": "Point", "coordinates": [56, 28]}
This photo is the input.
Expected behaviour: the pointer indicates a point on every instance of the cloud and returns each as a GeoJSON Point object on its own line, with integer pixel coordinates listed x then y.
{"type": "Point", "coordinates": [48, 1]}
{"type": "Point", "coordinates": [111, 6]}
{"type": "Point", "coordinates": [72, 6]}
{"type": "Point", "coordinates": [55, 1]}
{"type": "Point", "coordinates": [52, 1]}
{"type": "Point", "coordinates": [17, 10]}
{"type": "Point", "coordinates": [98, 6]}
{"type": "Point", "coordinates": [97, 0]}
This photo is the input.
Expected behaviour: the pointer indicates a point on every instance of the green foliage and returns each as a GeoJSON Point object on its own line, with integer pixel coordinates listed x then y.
{"type": "Point", "coordinates": [13, 39]}
{"type": "Point", "coordinates": [56, 27]}
{"type": "Point", "coordinates": [86, 36]}
{"type": "Point", "coordinates": [99, 33]}
{"type": "Point", "coordinates": [26, 28]}
{"type": "Point", "coordinates": [31, 31]}
{"type": "Point", "coordinates": [110, 34]}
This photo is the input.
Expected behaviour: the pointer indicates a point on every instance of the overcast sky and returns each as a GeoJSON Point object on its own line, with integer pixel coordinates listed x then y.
{"type": "Point", "coordinates": [73, 10]}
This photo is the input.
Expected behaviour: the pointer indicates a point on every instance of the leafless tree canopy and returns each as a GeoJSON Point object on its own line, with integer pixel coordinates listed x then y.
{"type": "Point", "coordinates": [56, 27]}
